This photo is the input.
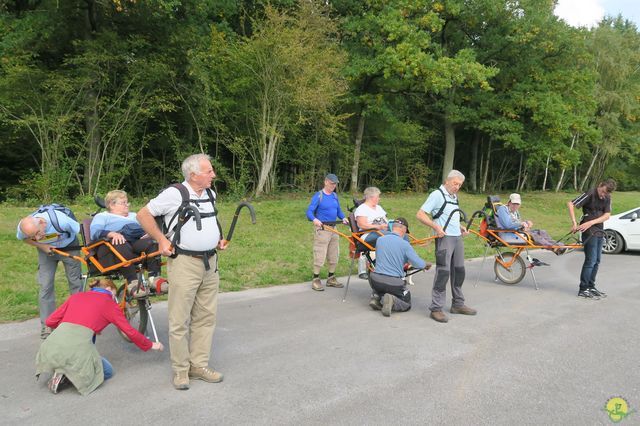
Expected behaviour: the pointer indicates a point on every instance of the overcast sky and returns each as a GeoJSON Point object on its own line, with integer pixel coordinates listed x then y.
{"type": "Point", "coordinates": [588, 12]}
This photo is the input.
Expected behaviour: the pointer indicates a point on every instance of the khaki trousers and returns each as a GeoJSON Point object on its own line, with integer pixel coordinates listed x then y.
{"type": "Point", "coordinates": [193, 303]}
{"type": "Point", "coordinates": [326, 245]}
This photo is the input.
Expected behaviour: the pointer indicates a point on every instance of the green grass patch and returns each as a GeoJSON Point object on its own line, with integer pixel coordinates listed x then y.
{"type": "Point", "coordinates": [275, 251]}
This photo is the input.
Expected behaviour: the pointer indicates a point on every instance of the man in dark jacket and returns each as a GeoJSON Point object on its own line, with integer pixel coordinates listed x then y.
{"type": "Point", "coordinates": [596, 209]}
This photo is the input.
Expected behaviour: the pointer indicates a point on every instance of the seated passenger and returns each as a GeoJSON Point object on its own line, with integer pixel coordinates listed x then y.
{"type": "Point", "coordinates": [388, 279]}
{"type": "Point", "coordinates": [370, 215]}
{"type": "Point", "coordinates": [508, 217]}
{"type": "Point", "coordinates": [121, 228]}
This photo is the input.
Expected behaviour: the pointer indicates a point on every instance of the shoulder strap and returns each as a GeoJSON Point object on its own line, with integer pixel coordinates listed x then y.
{"type": "Point", "coordinates": [50, 209]}
{"type": "Point", "coordinates": [444, 204]}
{"type": "Point", "coordinates": [184, 194]}
{"type": "Point", "coordinates": [320, 195]}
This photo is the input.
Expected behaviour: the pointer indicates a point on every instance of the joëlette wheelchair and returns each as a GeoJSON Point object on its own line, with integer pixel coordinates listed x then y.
{"type": "Point", "coordinates": [136, 309]}
{"type": "Point", "coordinates": [359, 247]}
{"type": "Point", "coordinates": [509, 265]}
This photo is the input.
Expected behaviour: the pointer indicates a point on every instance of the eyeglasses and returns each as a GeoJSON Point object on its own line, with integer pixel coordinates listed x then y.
{"type": "Point", "coordinates": [122, 203]}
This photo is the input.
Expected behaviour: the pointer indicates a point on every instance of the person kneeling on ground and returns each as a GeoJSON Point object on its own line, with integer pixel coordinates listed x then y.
{"type": "Point", "coordinates": [69, 351]}
{"type": "Point", "coordinates": [508, 217]}
{"type": "Point", "coordinates": [388, 278]}
{"type": "Point", "coordinates": [121, 228]}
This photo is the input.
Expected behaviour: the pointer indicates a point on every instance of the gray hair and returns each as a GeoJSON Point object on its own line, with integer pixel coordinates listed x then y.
{"type": "Point", "coordinates": [455, 174]}
{"type": "Point", "coordinates": [371, 191]}
{"type": "Point", "coordinates": [191, 164]}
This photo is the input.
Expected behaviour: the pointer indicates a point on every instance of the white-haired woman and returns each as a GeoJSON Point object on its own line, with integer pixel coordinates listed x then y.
{"type": "Point", "coordinates": [121, 228]}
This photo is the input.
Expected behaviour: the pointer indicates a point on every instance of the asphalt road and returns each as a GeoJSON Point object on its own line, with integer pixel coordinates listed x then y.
{"type": "Point", "coordinates": [294, 356]}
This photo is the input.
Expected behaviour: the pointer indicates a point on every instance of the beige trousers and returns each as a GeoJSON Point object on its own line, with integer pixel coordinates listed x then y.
{"type": "Point", "coordinates": [193, 303]}
{"type": "Point", "coordinates": [326, 245]}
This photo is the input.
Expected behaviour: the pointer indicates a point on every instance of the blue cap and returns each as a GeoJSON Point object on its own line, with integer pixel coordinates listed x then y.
{"type": "Point", "coordinates": [333, 178]}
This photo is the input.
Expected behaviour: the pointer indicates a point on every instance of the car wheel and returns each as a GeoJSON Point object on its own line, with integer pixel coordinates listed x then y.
{"type": "Point", "coordinates": [613, 242]}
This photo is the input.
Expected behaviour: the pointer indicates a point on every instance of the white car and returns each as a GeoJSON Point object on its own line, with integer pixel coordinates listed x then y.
{"type": "Point", "coordinates": [622, 232]}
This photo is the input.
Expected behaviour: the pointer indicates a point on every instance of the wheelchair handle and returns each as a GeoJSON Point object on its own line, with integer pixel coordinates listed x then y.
{"type": "Point", "coordinates": [475, 214]}
{"type": "Point", "coordinates": [463, 218]}
{"type": "Point", "coordinates": [333, 223]}
{"type": "Point", "coordinates": [252, 212]}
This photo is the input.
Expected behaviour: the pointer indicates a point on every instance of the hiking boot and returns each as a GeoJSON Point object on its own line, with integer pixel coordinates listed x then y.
{"type": "Point", "coordinates": [54, 382]}
{"type": "Point", "coordinates": [375, 304]}
{"type": "Point", "coordinates": [333, 282]}
{"type": "Point", "coordinates": [205, 373]}
{"type": "Point", "coordinates": [387, 304]}
{"type": "Point", "coordinates": [439, 316]}
{"type": "Point", "coordinates": [585, 294]}
{"type": "Point", "coordinates": [316, 284]}
{"type": "Point", "coordinates": [45, 332]}
{"type": "Point", "coordinates": [158, 285]}
{"type": "Point", "coordinates": [181, 380]}
{"type": "Point", "coordinates": [136, 291]}
{"type": "Point", "coordinates": [597, 293]}
{"type": "Point", "coordinates": [464, 310]}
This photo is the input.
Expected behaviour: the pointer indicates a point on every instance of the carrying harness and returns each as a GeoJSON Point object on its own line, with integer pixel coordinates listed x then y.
{"type": "Point", "coordinates": [51, 210]}
{"type": "Point", "coordinates": [444, 205]}
{"type": "Point", "coordinates": [187, 210]}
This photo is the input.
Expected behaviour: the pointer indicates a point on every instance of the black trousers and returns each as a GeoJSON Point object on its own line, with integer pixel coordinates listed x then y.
{"type": "Point", "coordinates": [130, 251]}
{"type": "Point", "coordinates": [395, 286]}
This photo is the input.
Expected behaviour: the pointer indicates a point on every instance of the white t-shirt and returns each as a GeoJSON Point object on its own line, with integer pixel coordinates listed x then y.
{"type": "Point", "coordinates": [375, 216]}
{"type": "Point", "coordinates": [167, 204]}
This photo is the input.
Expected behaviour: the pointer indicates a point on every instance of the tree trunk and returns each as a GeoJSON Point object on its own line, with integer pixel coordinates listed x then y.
{"type": "Point", "coordinates": [520, 171]}
{"type": "Point", "coordinates": [473, 170]}
{"type": "Point", "coordinates": [449, 147]}
{"type": "Point", "coordinates": [356, 153]}
{"type": "Point", "coordinates": [93, 145]}
{"type": "Point", "coordinates": [546, 172]}
{"type": "Point", "coordinates": [267, 162]}
{"type": "Point", "coordinates": [586, 175]}
{"type": "Point", "coordinates": [486, 166]}
{"type": "Point", "coordinates": [573, 141]}
{"type": "Point", "coordinates": [91, 119]}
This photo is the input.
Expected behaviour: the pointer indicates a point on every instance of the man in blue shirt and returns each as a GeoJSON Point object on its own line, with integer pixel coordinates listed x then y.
{"type": "Point", "coordinates": [325, 207]}
{"type": "Point", "coordinates": [440, 205]}
{"type": "Point", "coordinates": [388, 279]}
{"type": "Point", "coordinates": [37, 231]}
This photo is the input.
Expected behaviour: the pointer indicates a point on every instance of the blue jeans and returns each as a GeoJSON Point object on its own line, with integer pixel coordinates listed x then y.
{"type": "Point", "coordinates": [108, 369]}
{"type": "Point", "coordinates": [592, 255]}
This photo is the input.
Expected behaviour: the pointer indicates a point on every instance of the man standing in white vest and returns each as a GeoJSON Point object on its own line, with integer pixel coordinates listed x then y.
{"type": "Point", "coordinates": [192, 268]}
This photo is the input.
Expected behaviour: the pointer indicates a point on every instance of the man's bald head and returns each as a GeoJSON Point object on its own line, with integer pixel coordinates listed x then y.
{"type": "Point", "coordinates": [33, 227]}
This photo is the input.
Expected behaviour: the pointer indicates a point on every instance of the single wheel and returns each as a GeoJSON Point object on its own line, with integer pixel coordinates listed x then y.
{"type": "Point", "coordinates": [613, 242]}
{"type": "Point", "coordinates": [135, 310]}
{"type": "Point", "coordinates": [512, 275]}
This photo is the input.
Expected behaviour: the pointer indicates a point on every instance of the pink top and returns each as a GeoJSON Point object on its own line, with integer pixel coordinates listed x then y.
{"type": "Point", "coordinates": [96, 310]}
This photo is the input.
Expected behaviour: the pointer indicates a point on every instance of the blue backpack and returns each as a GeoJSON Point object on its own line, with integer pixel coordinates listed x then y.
{"type": "Point", "coordinates": [50, 209]}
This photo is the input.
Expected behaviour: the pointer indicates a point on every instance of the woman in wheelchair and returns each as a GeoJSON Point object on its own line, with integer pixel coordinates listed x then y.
{"type": "Point", "coordinates": [508, 217]}
{"type": "Point", "coordinates": [120, 227]}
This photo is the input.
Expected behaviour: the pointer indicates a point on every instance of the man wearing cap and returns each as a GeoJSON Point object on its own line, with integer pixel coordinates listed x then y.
{"type": "Point", "coordinates": [324, 208]}
{"type": "Point", "coordinates": [435, 212]}
{"type": "Point", "coordinates": [388, 279]}
{"type": "Point", "coordinates": [509, 218]}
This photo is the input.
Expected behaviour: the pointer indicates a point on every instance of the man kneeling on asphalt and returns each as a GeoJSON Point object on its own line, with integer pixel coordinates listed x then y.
{"type": "Point", "coordinates": [388, 279]}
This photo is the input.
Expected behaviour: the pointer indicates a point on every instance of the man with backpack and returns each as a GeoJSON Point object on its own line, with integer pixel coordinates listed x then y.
{"type": "Point", "coordinates": [435, 212]}
{"type": "Point", "coordinates": [325, 207]}
{"type": "Point", "coordinates": [188, 215]}
{"type": "Point", "coordinates": [52, 226]}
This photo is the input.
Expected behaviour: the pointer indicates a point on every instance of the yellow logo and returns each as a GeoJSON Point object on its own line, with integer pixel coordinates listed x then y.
{"type": "Point", "coordinates": [617, 409]}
